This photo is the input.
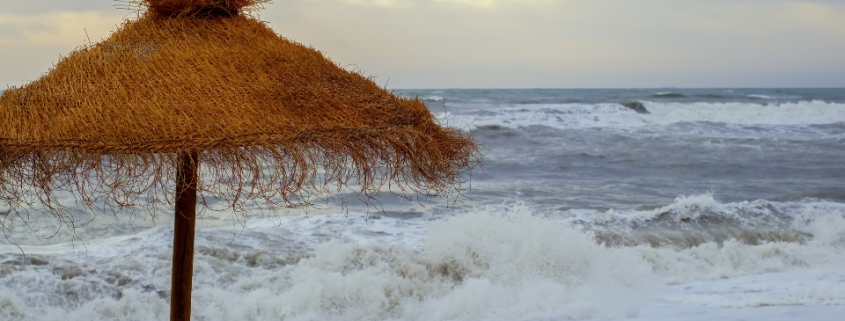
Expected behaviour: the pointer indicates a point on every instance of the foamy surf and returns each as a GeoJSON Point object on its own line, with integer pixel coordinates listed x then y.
{"type": "Point", "coordinates": [503, 264]}
{"type": "Point", "coordinates": [497, 262]}
{"type": "Point", "coordinates": [698, 219]}
{"type": "Point", "coordinates": [617, 116]}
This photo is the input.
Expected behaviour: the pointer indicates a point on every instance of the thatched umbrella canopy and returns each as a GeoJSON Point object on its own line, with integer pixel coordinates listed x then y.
{"type": "Point", "coordinates": [198, 96]}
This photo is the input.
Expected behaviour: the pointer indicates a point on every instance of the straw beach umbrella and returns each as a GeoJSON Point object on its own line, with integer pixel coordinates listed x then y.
{"type": "Point", "coordinates": [200, 98]}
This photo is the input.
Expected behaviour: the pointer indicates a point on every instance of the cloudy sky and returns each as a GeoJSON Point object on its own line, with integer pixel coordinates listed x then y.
{"type": "Point", "coordinates": [505, 43]}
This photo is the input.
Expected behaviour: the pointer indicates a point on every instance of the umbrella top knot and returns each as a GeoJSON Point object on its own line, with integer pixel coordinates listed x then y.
{"type": "Point", "coordinates": [191, 8]}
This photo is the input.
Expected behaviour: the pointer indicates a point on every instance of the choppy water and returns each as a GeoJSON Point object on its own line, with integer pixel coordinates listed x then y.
{"type": "Point", "coordinates": [714, 202]}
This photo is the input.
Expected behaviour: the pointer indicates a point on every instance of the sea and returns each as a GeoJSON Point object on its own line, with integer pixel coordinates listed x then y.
{"type": "Point", "coordinates": [589, 204]}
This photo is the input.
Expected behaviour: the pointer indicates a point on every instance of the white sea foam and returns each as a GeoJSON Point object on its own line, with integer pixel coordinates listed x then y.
{"type": "Point", "coordinates": [824, 219]}
{"type": "Point", "coordinates": [503, 262]}
{"type": "Point", "coordinates": [807, 295]}
{"type": "Point", "coordinates": [494, 263]}
{"type": "Point", "coordinates": [555, 116]}
{"type": "Point", "coordinates": [772, 97]}
{"type": "Point", "coordinates": [760, 96]}
{"type": "Point", "coordinates": [800, 113]}
{"type": "Point", "coordinates": [812, 287]}
{"type": "Point", "coordinates": [687, 207]}
{"type": "Point", "coordinates": [566, 116]}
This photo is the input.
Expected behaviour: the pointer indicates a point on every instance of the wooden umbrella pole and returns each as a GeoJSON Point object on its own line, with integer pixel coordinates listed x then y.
{"type": "Point", "coordinates": [183, 237]}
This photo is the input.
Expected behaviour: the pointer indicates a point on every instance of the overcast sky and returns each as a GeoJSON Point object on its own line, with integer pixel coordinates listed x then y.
{"type": "Point", "coordinates": [505, 43]}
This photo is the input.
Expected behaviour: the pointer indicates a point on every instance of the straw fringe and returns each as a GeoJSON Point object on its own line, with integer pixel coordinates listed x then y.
{"type": "Point", "coordinates": [273, 121]}
{"type": "Point", "coordinates": [194, 8]}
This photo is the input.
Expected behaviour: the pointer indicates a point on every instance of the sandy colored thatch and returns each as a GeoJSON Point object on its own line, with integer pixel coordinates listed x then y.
{"type": "Point", "coordinates": [182, 8]}
{"type": "Point", "coordinates": [270, 118]}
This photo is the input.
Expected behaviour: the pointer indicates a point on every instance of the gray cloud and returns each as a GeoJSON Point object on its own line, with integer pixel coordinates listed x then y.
{"type": "Point", "coordinates": [43, 6]}
{"type": "Point", "coordinates": [552, 43]}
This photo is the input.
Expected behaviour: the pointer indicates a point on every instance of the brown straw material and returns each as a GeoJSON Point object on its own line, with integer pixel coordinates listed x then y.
{"type": "Point", "coordinates": [272, 120]}
{"type": "Point", "coordinates": [181, 8]}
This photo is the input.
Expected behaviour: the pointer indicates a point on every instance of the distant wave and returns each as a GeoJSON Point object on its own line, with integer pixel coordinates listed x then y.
{"type": "Point", "coordinates": [711, 96]}
{"type": "Point", "coordinates": [760, 96]}
{"type": "Point", "coordinates": [668, 95]}
{"type": "Point", "coordinates": [767, 97]}
{"type": "Point", "coordinates": [569, 116]}
{"type": "Point", "coordinates": [793, 113]}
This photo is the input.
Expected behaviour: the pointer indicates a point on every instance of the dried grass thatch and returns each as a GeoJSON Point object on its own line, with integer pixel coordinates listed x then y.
{"type": "Point", "coordinates": [272, 121]}
{"type": "Point", "coordinates": [181, 8]}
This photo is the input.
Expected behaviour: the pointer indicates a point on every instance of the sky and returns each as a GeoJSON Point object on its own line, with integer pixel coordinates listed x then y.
{"type": "Point", "coordinates": [503, 43]}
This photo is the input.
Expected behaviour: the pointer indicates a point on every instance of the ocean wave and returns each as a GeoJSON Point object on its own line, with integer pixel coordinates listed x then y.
{"type": "Point", "coordinates": [550, 115]}
{"type": "Point", "coordinates": [760, 96]}
{"type": "Point", "coordinates": [700, 219]}
{"type": "Point", "coordinates": [568, 116]}
{"type": "Point", "coordinates": [768, 97]}
{"type": "Point", "coordinates": [668, 95]}
{"type": "Point", "coordinates": [792, 113]}
{"type": "Point", "coordinates": [495, 262]}
{"type": "Point", "coordinates": [509, 265]}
